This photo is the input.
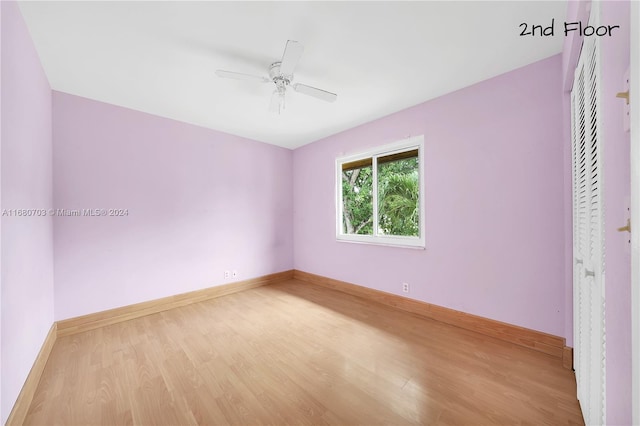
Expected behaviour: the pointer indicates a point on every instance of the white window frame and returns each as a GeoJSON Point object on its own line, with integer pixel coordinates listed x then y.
{"type": "Point", "coordinates": [414, 142]}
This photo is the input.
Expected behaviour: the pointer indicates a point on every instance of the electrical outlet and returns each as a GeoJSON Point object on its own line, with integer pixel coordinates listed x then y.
{"type": "Point", "coordinates": [405, 287]}
{"type": "Point", "coordinates": [227, 274]}
{"type": "Point", "coordinates": [234, 274]}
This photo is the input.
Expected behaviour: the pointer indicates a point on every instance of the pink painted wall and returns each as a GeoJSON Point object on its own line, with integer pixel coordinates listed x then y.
{"type": "Point", "coordinates": [27, 242]}
{"type": "Point", "coordinates": [199, 202]}
{"type": "Point", "coordinates": [494, 202]}
{"type": "Point", "coordinates": [617, 179]}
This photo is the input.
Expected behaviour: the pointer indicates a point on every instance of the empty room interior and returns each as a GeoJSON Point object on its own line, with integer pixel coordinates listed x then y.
{"type": "Point", "coordinates": [340, 212]}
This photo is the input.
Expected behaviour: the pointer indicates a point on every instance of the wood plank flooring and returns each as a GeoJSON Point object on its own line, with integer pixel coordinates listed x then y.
{"type": "Point", "coordinates": [294, 353]}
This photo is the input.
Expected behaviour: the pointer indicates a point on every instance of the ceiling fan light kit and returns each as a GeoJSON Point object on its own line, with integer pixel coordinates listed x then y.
{"type": "Point", "coordinates": [281, 74]}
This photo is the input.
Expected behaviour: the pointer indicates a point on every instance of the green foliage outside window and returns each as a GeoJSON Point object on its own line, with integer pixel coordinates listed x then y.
{"type": "Point", "coordinates": [398, 193]}
{"type": "Point", "coordinates": [357, 201]}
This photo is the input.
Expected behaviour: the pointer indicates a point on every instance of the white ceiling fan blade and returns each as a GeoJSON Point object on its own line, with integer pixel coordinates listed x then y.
{"type": "Point", "coordinates": [316, 93]}
{"type": "Point", "coordinates": [277, 102]}
{"type": "Point", "coordinates": [292, 53]}
{"type": "Point", "coordinates": [241, 76]}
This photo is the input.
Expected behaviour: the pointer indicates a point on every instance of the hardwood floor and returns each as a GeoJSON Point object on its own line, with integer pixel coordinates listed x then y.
{"type": "Point", "coordinates": [294, 353]}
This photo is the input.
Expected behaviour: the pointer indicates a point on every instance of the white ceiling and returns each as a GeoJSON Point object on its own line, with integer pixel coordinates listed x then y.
{"type": "Point", "coordinates": [379, 57]}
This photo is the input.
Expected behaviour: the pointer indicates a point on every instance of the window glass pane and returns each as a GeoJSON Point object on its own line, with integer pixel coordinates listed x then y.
{"type": "Point", "coordinates": [398, 193]}
{"type": "Point", "coordinates": [357, 198]}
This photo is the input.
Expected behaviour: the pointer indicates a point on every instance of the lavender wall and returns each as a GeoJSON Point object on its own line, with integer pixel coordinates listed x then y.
{"type": "Point", "coordinates": [199, 202]}
{"type": "Point", "coordinates": [617, 179]}
{"type": "Point", "coordinates": [494, 202]}
{"type": "Point", "coordinates": [27, 242]}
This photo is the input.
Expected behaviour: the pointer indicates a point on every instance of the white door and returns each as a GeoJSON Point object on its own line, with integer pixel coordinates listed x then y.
{"type": "Point", "coordinates": [588, 231]}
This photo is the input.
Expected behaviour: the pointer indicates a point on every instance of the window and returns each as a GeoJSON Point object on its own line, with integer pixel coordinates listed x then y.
{"type": "Point", "coordinates": [380, 196]}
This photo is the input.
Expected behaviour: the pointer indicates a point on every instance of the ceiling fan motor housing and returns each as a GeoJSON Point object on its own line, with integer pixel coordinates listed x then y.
{"type": "Point", "coordinates": [280, 80]}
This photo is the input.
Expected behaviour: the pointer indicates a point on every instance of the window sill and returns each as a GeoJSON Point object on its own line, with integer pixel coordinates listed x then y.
{"type": "Point", "coordinates": [417, 245]}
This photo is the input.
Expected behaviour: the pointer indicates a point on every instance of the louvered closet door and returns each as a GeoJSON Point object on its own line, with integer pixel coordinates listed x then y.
{"type": "Point", "coordinates": [588, 236]}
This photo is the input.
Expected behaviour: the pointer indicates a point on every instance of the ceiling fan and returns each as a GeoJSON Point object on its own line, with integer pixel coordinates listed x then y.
{"type": "Point", "coordinates": [281, 74]}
